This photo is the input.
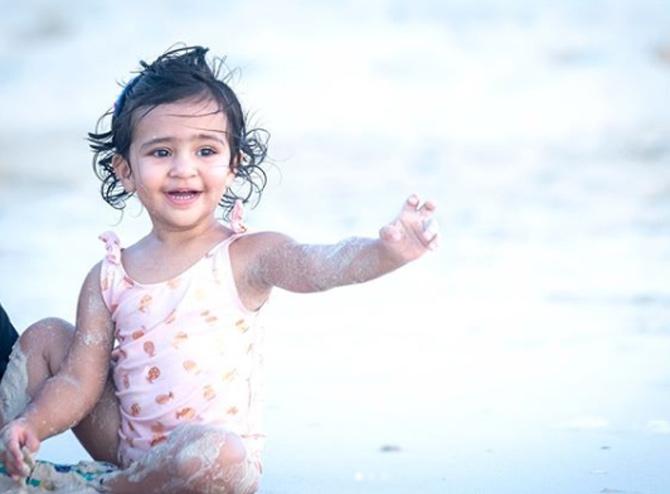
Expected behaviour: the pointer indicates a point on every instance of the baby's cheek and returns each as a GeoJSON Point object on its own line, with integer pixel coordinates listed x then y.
{"type": "Point", "coordinates": [221, 167]}
{"type": "Point", "coordinates": [221, 173]}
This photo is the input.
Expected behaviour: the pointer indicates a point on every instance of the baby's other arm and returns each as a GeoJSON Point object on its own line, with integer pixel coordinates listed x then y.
{"type": "Point", "coordinates": [282, 262]}
{"type": "Point", "coordinates": [68, 396]}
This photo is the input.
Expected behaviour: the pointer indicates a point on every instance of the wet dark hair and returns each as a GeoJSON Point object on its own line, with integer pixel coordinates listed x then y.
{"type": "Point", "coordinates": [179, 74]}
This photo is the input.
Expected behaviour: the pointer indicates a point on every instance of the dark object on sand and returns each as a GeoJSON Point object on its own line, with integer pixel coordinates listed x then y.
{"type": "Point", "coordinates": [390, 448]}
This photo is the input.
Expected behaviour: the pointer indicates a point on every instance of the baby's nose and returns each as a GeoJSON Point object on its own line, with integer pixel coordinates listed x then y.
{"type": "Point", "coordinates": [183, 166]}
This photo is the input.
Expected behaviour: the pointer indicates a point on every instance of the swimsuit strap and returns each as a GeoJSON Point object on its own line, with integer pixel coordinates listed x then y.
{"type": "Point", "coordinates": [237, 218]}
{"type": "Point", "coordinates": [113, 247]}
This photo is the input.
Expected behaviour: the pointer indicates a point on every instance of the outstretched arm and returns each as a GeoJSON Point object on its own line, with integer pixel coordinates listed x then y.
{"type": "Point", "coordinates": [309, 268]}
{"type": "Point", "coordinates": [68, 396]}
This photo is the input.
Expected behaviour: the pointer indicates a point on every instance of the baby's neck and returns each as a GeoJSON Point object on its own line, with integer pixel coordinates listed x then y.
{"type": "Point", "coordinates": [159, 256]}
{"type": "Point", "coordinates": [181, 238]}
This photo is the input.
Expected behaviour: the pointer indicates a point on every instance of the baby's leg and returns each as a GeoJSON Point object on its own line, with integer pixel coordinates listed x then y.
{"type": "Point", "coordinates": [194, 459]}
{"type": "Point", "coordinates": [36, 357]}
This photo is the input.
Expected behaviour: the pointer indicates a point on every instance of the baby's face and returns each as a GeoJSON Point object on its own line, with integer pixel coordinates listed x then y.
{"type": "Point", "coordinates": [180, 163]}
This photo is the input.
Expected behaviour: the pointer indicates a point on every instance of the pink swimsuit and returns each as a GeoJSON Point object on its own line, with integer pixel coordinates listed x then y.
{"type": "Point", "coordinates": [187, 351]}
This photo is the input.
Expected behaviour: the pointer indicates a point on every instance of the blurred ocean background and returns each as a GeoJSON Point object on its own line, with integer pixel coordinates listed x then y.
{"type": "Point", "coordinates": [530, 354]}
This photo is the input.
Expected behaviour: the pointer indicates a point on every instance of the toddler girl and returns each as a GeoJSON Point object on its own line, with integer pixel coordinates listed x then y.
{"type": "Point", "coordinates": [174, 315]}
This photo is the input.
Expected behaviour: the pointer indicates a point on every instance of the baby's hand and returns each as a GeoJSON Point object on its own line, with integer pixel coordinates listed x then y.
{"type": "Point", "coordinates": [19, 441]}
{"type": "Point", "coordinates": [413, 232]}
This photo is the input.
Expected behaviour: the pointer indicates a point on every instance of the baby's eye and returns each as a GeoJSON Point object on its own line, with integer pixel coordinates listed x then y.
{"type": "Point", "coordinates": [160, 153]}
{"type": "Point", "coordinates": [206, 152]}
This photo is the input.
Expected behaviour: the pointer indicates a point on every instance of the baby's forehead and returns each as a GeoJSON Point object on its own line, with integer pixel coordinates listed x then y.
{"type": "Point", "coordinates": [188, 114]}
{"type": "Point", "coordinates": [188, 109]}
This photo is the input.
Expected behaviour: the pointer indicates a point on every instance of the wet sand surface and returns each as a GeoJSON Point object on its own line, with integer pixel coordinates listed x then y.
{"type": "Point", "coordinates": [527, 355]}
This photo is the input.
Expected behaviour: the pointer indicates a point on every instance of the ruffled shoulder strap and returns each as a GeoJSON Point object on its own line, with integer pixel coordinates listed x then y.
{"type": "Point", "coordinates": [112, 246]}
{"type": "Point", "coordinates": [112, 275]}
{"type": "Point", "coordinates": [237, 218]}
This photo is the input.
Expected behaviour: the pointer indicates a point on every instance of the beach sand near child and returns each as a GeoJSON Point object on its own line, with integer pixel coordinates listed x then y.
{"type": "Point", "coordinates": [529, 354]}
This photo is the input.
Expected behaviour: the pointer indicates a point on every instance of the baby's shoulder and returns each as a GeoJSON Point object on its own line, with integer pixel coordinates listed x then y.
{"type": "Point", "coordinates": [249, 255]}
{"type": "Point", "coordinates": [253, 245]}
{"type": "Point", "coordinates": [264, 239]}
{"type": "Point", "coordinates": [91, 284]}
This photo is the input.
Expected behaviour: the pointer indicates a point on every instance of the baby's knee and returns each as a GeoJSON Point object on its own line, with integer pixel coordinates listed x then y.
{"type": "Point", "coordinates": [50, 338]}
{"type": "Point", "coordinates": [45, 332]}
{"type": "Point", "coordinates": [231, 450]}
{"type": "Point", "coordinates": [213, 458]}
{"type": "Point", "coordinates": [211, 446]}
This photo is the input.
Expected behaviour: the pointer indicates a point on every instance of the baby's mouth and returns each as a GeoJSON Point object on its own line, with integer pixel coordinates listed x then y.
{"type": "Point", "coordinates": [183, 195]}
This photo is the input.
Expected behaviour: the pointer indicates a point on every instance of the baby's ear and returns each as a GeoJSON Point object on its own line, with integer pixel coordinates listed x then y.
{"type": "Point", "coordinates": [123, 172]}
{"type": "Point", "coordinates": [234, 166]}
{"type": "Point", "coordinates": [236, 161]}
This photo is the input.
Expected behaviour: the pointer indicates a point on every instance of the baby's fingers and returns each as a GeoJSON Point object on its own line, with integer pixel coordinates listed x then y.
{"type": "Point", "coordinates": [413, 206]}
{"type": "Point", "coordinates": [32, 444]}
{"type": "Point", "coordinates": [13, 453]}
{"type": "Point", "coordinates": [427, 208]}
{"type": "Point", "coordinates": [12, 449]}
{"type": "Point", "coordinates": [391, 232]}
{"type": "Point", "coordinates": [430, 229]}
{"type": "Point", "coordinates": [411, 203]}
{"type": "Point", "coordinates": [16, 467]}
